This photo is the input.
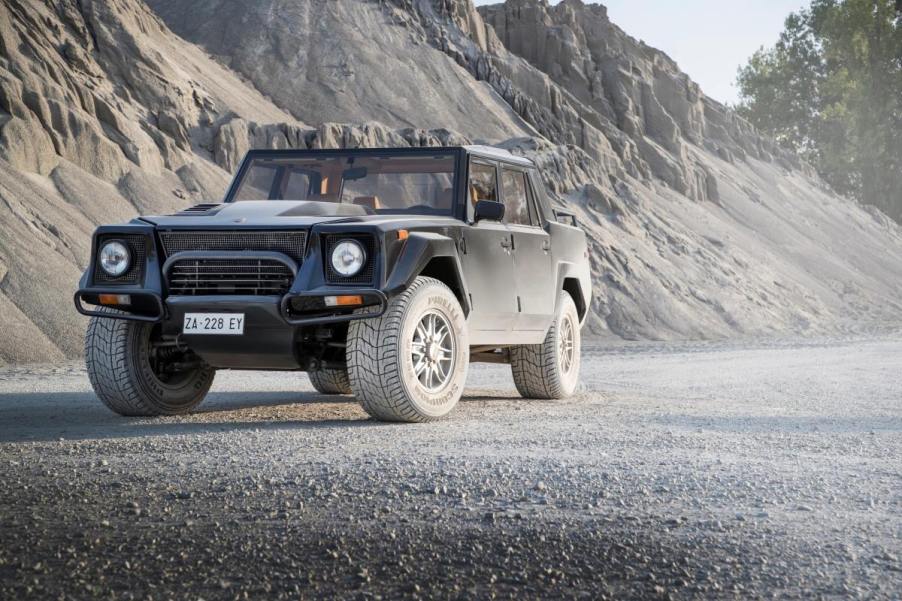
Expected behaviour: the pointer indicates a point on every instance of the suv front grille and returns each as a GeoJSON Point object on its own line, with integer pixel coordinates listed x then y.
{"type": "Point", "coordinates": [290, 243]}
{"type": "Point", "coordinates": [250, 276]}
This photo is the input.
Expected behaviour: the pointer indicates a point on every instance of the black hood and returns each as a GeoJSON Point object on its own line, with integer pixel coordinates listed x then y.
{"type": "Point", "coordinates": [260, 213]}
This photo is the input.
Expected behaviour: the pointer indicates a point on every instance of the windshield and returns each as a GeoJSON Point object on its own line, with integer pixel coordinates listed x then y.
{"type": "Point", "coordinates": [400, 183]}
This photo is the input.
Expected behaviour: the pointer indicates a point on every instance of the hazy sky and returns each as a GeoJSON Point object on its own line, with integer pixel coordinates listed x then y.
{"type": "Point", "coordinates": [709, 39]}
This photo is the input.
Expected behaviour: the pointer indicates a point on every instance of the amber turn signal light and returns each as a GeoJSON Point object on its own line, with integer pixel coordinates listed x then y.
{"type": "Point", "coordinates": [402, 234]}
{"type": "Point", "coordinates": [343, 301]}
{"type": "Point", "coordinates": [115, 299]}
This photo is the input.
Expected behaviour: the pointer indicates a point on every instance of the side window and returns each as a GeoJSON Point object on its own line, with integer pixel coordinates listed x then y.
{"type": "Point", "coordinates": [483, 184]}
{"type": "Point", "coordinates": [516, 197]}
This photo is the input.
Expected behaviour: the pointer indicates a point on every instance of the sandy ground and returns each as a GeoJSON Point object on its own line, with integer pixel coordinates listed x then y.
{"type": "Point", "coordinates": [680, 470]}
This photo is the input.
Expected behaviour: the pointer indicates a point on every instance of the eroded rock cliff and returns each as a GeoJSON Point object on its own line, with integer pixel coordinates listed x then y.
{"type": "Point", "coordinates": [699, 227]}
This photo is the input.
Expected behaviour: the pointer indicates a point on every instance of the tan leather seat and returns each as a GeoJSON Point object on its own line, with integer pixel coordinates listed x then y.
{"type": "Point", "coordinates": [367, 201]}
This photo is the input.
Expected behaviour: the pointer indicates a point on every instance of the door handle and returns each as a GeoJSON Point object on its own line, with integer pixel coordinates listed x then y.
{"type": "Point", "coordinates": [506, 243]}
{"type": "Point", "coordinates": [546, 245]}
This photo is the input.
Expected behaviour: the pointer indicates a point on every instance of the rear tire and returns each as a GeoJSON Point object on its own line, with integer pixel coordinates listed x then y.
{"type": "Point", "coordinates": [121, 367]}
{"type": "Point", "coordinates": [550, 370]}
{"type": "Point", "coordinates": [410, 364]}
{"type": "Point", "coordinates": [330, 381]}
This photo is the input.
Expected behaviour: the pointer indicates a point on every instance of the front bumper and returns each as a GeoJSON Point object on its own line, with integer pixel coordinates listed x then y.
{"type": "Point", "coordinates": [274, 325]}
{"type": "Point", "coordinates": [309, 308]}
{"type": "Point", "coordinates": [145, 305]}
{"type": "Point", "coordinates": [292, 309]}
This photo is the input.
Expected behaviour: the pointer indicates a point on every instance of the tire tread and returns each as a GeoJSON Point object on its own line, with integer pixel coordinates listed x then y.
{"type": "Point", "coordinates": [107, 355]}
{"type": "Point", "coordinates": [374, 364]}
{"type": "Point", "coordinates": [535, 366]}
{"type": "Point", "coordinates": [330, 381]}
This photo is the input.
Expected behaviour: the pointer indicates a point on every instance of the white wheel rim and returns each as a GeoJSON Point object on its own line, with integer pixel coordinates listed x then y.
{"type": "Point", "coordinates": [566, 346]}
{"type": "Point", "coordinates": [432, 351]}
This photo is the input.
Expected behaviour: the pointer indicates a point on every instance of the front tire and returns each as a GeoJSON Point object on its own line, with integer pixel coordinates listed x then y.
{"type": "Point", "coordinates": [410, 364]}
{"type": "Point", "coordinates": [330, 381]}
{"type": "Point", "coordinates": [133, 377]}
{"type": "Point", "coordinates": [550, 370]}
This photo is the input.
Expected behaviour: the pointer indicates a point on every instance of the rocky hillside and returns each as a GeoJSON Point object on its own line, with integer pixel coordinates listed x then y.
{"type": "Point", "coordinates": [102, 112]}
{"type": "Point", "coordinates": [699, 226]}
{"type": "Point", "coordinates": [105, 114]}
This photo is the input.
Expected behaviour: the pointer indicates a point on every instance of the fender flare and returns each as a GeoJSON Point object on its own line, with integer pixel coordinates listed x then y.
{"type": "Point", "coordinates": [419, 250]}
{"type": "Point", "coordinates": [567, 270]}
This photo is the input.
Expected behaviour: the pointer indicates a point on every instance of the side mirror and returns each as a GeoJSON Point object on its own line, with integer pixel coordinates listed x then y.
{"type": "Point", "coordinates": [489, 209]}
{"type": "Point", "coordinates": [565, 217]}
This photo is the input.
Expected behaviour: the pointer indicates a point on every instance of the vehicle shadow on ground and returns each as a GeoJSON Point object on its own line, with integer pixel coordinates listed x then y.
{"type": "Point", "coordinates": [35, 417]}
{"type": "Point", "coordinates": [53, 416]}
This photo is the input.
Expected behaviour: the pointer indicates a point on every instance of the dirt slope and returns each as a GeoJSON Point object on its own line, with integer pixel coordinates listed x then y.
{"type": "Point", "coordinates": [699, 227]}
{"type": "Point", "coordinates": [101, 115]}
{"type": "Point", "coordinates": [105, 114]}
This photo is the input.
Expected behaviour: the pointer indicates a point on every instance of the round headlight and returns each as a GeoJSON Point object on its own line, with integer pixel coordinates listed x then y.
{"type": "Point", "coordinates": [115, 259]}
{"type": "Point", "coordinates": [348, 257]}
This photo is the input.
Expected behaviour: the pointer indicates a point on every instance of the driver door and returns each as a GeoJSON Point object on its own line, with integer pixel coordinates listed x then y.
{"type": "Point", "coordinates": [488, 263]}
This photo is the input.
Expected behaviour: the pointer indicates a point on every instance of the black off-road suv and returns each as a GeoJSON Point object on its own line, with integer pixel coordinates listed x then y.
{"type": "Point", "coordinates": [381, 272]}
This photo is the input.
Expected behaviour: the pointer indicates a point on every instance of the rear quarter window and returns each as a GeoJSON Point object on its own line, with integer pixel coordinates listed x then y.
{"type": "Point", "coordinates": [517, 206]}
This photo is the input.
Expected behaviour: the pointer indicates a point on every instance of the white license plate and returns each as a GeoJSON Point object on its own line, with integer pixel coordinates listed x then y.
{"type": "Point", "coordinates": [230, 324]}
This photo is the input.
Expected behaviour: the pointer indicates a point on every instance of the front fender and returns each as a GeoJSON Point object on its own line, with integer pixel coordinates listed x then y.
{"type": "Point", "coordinates": [419, 250]}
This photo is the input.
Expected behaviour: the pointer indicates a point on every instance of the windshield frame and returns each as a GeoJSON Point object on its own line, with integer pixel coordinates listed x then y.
{"type": "Point", "coordinates": [458, 208]}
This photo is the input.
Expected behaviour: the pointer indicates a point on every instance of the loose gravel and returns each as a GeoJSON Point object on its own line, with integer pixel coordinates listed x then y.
{"type": "Point", "coordinates": [679, 471]}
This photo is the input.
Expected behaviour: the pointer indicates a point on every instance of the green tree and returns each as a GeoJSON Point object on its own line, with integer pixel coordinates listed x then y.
{"type": "Point", "coordinates": [831, 89]}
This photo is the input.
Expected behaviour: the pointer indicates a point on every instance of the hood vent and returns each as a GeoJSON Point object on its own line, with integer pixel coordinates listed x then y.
{"type": "Point", "coordinates": [197, 209]}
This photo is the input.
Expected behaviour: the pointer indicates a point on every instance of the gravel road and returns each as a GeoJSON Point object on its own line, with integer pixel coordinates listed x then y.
{"type": "Point", "coordinates": [679, 470]}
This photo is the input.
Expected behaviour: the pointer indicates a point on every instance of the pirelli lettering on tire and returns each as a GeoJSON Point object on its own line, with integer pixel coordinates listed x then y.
{"type": "Point", "coordinates": [421, 344]}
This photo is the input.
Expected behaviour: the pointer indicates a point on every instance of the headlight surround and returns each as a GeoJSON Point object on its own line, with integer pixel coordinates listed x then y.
{"type": "Point", "coordinates": [348, 257]}
{"type": "Point", "coordinates": [115, 258]}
